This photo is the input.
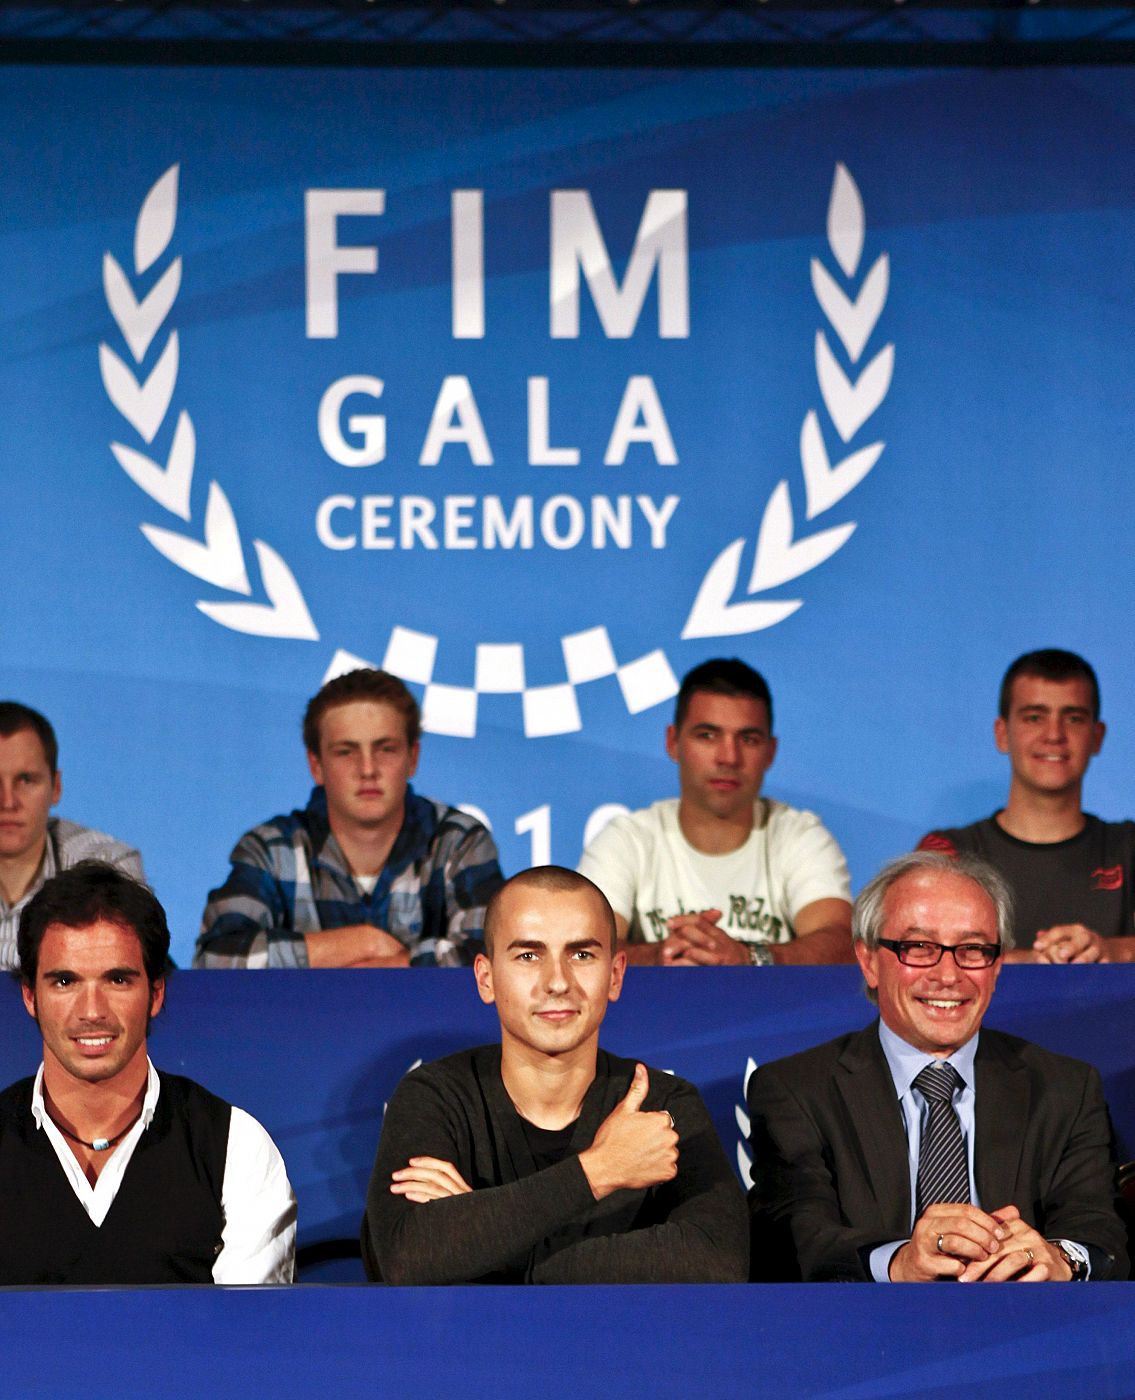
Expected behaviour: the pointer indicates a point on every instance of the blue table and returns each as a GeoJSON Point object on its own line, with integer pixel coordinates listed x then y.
{"type": "Point", "coordinates": [784, 1342]}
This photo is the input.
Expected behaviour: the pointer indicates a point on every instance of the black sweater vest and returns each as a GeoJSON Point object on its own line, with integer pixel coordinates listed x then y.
{"type": "Point", "coordinates": [165, 1223]}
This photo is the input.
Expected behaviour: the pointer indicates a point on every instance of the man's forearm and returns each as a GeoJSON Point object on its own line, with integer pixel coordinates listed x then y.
{"type": "Point", "coordinates": [828, 944]}
{"type": "Point", "coordinates": [465, 1237]}
{"type": "Point", "coordinates": [354, 945]}
{"type": "Point", "coordinates": [674, 1252]}
{"type": "Point", "coordinates": [1120, 949]}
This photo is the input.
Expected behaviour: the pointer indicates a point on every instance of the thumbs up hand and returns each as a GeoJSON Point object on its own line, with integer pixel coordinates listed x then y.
{"type": "Point", "coordinates": [632, 1150]}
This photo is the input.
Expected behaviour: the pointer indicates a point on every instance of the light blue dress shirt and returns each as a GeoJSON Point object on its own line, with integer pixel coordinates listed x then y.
{"type": "Point", "coordinates": [905, 1064]}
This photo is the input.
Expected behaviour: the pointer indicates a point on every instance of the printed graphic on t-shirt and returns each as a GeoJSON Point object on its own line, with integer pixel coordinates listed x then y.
{"type": "Point", "coordinates": [744, 918]}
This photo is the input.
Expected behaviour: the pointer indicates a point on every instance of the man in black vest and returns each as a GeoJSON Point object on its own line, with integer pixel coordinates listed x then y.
{"type": "Point", "coordinates": [111, 1173]}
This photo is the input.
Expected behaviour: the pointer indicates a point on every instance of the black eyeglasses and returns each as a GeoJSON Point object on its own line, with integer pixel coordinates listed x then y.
{"type": "Point", "coordinates": [920, 953]}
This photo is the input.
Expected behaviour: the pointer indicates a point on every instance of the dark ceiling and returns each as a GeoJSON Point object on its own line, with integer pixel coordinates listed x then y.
{"type": "Point", "coordinates": [571, 31]}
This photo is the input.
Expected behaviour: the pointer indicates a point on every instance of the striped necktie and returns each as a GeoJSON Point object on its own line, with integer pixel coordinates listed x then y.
{"type": "Point", "coordinates": [943, 1172]}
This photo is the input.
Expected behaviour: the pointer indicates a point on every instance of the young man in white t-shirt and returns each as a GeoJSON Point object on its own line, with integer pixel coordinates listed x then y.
{"type": "Point", "coordinates": [721, 875]}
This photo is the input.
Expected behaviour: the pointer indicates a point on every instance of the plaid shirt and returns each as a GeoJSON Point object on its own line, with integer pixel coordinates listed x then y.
{"type": "Point", "coordinates": [67, 844]}
{"type": "Point", "coordinates": [290, 877]}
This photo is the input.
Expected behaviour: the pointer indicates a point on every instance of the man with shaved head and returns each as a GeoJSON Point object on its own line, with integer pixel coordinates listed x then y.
{"type": "Point", "coordinates": [544, 1159]}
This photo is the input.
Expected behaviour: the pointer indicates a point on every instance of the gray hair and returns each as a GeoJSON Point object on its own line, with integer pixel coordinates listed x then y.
{"type": "Point", "coordinates": [867, 915]}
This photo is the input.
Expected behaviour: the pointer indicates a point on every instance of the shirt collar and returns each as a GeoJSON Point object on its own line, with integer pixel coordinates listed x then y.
{"type": "Point", "coordinates": [149, 1102]}
{"type": "Point", "coordinates": [44, 871]}
{"type": "Point", "coordinates": [48, 866]}
{"type": "Point", "coordinates": [905, 1062]}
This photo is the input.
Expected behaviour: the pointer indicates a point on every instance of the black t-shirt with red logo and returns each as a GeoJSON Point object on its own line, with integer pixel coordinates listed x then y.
{"type": "Point", "coordinates": [1087, 879]}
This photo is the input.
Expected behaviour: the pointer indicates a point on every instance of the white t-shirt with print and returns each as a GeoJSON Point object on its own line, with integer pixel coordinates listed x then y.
{"type": "Point", "coordinates": [650, 872]}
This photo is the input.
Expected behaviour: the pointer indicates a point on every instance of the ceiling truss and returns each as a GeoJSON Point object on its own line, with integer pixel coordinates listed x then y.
{"type": "Point", "coordinates": [569, 31]}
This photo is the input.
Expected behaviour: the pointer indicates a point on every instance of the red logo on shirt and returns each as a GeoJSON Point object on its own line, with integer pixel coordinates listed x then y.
{"type": "Point", "coordinates": [1108, 878]}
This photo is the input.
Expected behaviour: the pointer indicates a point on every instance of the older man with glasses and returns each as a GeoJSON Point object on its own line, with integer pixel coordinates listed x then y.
{"type": "Point", "coordinates": [926, 1147]}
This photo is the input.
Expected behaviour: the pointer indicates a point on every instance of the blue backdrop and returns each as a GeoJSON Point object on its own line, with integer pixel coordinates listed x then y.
{"type": "Point", "coordinates": [826, 369]}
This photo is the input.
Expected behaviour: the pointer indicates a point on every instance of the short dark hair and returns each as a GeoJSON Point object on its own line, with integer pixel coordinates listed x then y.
{"type": "Point", "coordinates": [364, 684]}
{"type": "Point", "coordinates": [722, 676]}
{"type": "Point", "coordinates": [1049, 664]}
{"type": "Point", "coordinates": [15, 717]}
{"type": "Point", "coordinates": [81, 896]}
{"type": "Point", "coordinates": [557, 879]}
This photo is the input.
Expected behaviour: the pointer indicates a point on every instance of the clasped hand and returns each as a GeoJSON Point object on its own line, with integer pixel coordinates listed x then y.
{"type": "Point", "coordinates": [976, 1247]}
{"type": "Point", "coordinates": [695, 940]}
{"type": "Point", "coordinates": [1069, 943]}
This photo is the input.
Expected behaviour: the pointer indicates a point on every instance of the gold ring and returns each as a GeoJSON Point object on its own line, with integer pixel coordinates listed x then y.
{"type": "Point", "coordinates": [1030, 1255]}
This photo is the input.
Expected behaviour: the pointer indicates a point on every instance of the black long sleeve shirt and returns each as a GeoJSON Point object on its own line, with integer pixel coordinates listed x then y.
{"type": "Point", "coordinates": [521, 1224]}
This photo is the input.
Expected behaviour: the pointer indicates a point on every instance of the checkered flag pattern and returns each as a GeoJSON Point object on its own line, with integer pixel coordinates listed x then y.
{"type": "Point", "coordinates": [500, 670]}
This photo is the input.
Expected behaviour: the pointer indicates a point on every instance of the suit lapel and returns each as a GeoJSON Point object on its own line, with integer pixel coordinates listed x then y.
{"type": "Point", "coordinates": [1001, 1116]}
{"type": "Point", "coordinates": [864, 1081]}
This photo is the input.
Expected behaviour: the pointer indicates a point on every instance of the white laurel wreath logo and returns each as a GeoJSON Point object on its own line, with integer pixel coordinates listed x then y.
{"type": "Point", "coordinates": [780, 557]}
{"type": "Point", "coordinates": [218, 558]}
{"type": "Point", "coordinates": [145, 399]}
{"type": "Point", "coordinates": [744, 1158]}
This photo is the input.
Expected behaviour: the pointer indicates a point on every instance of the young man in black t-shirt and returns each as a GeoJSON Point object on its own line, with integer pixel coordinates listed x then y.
{"type": "Point", "coordinates": [1072, 875]}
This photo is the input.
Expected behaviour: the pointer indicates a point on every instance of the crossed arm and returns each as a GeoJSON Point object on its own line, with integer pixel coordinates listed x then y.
{"type": "Point", "coordinates": [425, 1223]}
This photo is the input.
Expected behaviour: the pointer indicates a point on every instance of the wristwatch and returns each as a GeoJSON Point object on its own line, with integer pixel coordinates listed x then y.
{"type": "Point", "coordinates": [1078, 1265]}
{"type": "Point", "coordinates": [760, 954]}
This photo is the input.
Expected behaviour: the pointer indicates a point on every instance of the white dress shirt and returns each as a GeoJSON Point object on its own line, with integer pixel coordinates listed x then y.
{"type": "Point", "coordinates": [258, 1241]}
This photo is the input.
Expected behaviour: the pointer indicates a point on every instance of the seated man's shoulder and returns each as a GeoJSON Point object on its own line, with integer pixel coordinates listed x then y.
{"type": "Point", "coordinates": [456, 850]}
{"type": "Point", "coordinates": [950, 840]}
{"type": "Point", "coordinates": [461, 1073]}
{"type": "Point", "coordinates": [75, 843]}
{"type": "Point", "coordinates": [445, 823]}
{"type": "Point", "coordinates": [784, 821]}
{"type": "Point", "coordinates": [815, 1064]}
{"type": "Point", "coordinates": [186, 1095]}
{"type": "Point", "coordinates": [666, 1090]}
{"type": "Point", "coordinates": [15, 1100]}
{"type": "Point", "coordinates": [640, 830]}
{"type": "Point", "coordinates": [1118, 834]}
{"type": "Point", "coordinates": [1047, 1067]}
{"type": "Point", "coordinates": [308, 823]}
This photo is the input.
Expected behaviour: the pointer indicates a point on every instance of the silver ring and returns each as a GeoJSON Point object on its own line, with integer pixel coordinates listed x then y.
{"type": "Point", "coordinates": [940, 1249]}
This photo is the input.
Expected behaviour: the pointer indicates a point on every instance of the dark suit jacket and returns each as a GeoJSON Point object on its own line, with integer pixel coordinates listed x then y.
{"type": "Point", "coordinates": [831, 1171]}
